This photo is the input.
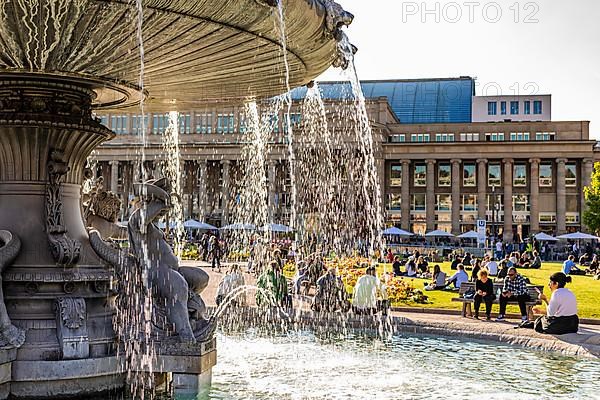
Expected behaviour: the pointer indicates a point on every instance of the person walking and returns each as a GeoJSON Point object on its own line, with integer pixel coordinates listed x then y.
{"type": "Point", "coordinates": [215, 253]}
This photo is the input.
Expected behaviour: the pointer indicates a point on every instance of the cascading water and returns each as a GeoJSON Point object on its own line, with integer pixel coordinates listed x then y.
{"type": "Point", "coordinates": [173, 173]}
{"type": "Point", "coordinates": [252, 202]}
{"type": "Point", "coordinates": [363, 135]}
{"type": "Point", "coordinates": [133, 320]}
{"type": "Point", "coordinates": [287, 100]}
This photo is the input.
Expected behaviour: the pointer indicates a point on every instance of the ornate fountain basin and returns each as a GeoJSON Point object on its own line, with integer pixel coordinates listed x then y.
{"type": "Point", "coordinates": [193, 50]}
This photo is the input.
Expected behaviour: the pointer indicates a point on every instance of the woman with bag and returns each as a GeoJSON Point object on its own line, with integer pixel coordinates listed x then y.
{"type": "Point", "coordinates": [561, 315]}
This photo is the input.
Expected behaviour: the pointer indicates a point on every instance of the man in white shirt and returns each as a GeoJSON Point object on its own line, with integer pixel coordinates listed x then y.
{"type": "Point", "coordinates": [491, 265]}
{"type": "Point", "coordinates": [499, 250]}
{"type": "Point", "coordinates": [364, 299]}
{"type": "Point", "coordinates": [459, 277]}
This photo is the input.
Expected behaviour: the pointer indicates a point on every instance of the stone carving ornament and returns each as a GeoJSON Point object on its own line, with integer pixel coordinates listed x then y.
{"type": "Point", "coordinates": [71, 311]}
{"type": "Point", "coordinates": [10, 335]}
{"type": "Point", "coordinates": [64, 249]}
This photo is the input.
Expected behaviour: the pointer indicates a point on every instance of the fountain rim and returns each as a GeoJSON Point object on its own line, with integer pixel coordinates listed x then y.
{"type": "Point", "coordinates": [106, 93]}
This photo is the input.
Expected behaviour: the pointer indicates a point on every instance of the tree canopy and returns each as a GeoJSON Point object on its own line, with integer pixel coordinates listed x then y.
{"type": "Point", "coordinates": [591, 215]}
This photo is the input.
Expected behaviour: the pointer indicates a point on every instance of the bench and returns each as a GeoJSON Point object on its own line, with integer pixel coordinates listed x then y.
{"type": "Point", "coordinates": [470, 287]}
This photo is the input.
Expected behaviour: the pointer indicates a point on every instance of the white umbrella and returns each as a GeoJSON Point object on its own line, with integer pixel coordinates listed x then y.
{"type": "Point", "coordinates": [578, 236]}
{"type": "Point", "coordinates": [276, 228]}
{"type": "Point", "coordinates": [239, 227]}
{"type": "Point", "coordinates": [396, 231]}
{"type": "Point", "coordinates": [193, 224]}
{"type": "Point", "coordinates": [544, 237]}
{"type": "Point", "coordinates": [468, 235]}
{"type": "Point", "coordinates": [439, 233]}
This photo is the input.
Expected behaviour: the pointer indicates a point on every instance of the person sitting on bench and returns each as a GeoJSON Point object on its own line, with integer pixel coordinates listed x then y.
{"type": "Point", "coordinates": [561, 315]}
{"type": "Point", "coordinates": [514, 289]}
{"type": "Point", "coordinates": [484, 288]}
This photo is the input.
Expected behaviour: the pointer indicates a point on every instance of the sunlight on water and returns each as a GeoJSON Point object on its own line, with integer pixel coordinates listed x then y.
{"type": "Point", "coordinates": [302, 365]}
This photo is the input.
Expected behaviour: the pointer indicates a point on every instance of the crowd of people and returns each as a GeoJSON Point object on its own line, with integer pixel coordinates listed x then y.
{"type": "Point", "coordinates": [495, 280]}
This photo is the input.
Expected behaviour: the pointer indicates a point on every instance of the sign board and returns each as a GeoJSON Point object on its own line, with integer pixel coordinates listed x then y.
{"type": "Point", "coordinates": [481, 230]}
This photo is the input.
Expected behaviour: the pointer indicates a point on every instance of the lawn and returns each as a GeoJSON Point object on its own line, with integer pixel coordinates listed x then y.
{"type": "Point", "coordinates": [586, 289]}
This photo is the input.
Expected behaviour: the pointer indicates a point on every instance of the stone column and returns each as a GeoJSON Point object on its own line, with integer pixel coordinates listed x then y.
{"type": "Point", "coordinates": [507, 235]}
{"type": "Point", "coordinates": [481, 188]}
{"type": "Point", "coordinates": [456, 185]}
{"type": "Point", "coordinates": [380, 165]}
{"type": "Point", "coordinates": [114, 176]}
{"type": "Point", "coordinates": [534, 194]}
{"type": "Point", "coordinates": [202, 189]}
{"type": "Point", "coordinates": [271, 174]}
{"type": "Point", "coordinates": [225, 192]}
{"type": "Point", "coordinates": [561, 196]}
{"type": "Point", "coordinates": [405, 196]}
{"type": "Point", "coordinates": [430, 196]}
{"type": "Point", "coordinates": [587, 168]}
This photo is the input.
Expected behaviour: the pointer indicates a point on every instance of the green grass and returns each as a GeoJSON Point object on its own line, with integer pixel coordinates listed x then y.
{"type": "Point", "coordinates": [586, 289]}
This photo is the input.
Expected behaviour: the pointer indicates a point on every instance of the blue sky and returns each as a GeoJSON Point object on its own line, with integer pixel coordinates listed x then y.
{"type": "Point", "coordinates": [547, 47]}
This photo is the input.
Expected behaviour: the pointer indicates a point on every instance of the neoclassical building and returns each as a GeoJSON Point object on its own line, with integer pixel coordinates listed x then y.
{"type": "Point", "coordinates": [438, 169]}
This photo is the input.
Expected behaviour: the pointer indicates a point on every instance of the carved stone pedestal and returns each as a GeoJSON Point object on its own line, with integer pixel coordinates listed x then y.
{"type": "Point", "coordinates": [6, 359]}
{"type": "Point", "coordinates": [185, 368]}
{"type": "Point", "coordinates": [57, 288]}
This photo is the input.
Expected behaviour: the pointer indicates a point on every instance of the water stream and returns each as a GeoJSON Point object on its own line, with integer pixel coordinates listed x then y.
{"type": "Point", "coordinates": [173, 172]}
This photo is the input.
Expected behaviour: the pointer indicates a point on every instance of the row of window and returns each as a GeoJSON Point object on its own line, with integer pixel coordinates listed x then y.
{"type": "Point", "coordinates": [200, 123]}
{"type": "Point", "coordinates": [514, 107]}
{"type": "Point", "coordinates": [494, 174]}
{"type": "Point", "coordinates": [472, 137]}
{"type": "Point", "coordinates": [520, 204]}
{"type": "Point", "coordinates": [443, 202]}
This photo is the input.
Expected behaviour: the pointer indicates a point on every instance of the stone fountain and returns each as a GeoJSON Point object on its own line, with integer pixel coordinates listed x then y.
{"type": "Point", "coordinates": [59, 61]}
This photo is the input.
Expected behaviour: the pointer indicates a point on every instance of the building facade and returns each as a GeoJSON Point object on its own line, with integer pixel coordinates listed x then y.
{"type": "Point", "coordinates": [444, 172]}
{"type": "Point", "coordinates": [512, 108]}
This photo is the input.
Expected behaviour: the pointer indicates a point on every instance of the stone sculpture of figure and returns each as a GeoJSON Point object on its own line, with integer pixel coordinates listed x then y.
{"type": "Point", "coordinates": [177, 288]}
{"type": "Point", "coordinates": [101, 210]}
{"type": "Point", "coordinates": [10, 335]}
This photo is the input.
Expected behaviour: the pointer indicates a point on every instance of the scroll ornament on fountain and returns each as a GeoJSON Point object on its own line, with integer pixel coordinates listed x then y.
{"type": "Point", "coordinates": [335, 19]}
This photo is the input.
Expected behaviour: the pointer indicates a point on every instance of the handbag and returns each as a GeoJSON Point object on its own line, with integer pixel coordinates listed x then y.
{"type": "Point", "coordinates": [469, 294]}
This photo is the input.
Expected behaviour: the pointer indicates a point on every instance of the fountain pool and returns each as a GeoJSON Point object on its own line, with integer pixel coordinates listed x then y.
{"type": "Point", "coordinates": [302, 365]}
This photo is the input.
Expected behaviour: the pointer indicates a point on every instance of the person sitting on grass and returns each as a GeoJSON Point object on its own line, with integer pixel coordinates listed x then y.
{"type": "Point", "coordinates": [411, 268]}
{"type": "Point", "coordinates": [503, 272]}
{"type": "Point", "coordinates": [476, 269]}
{"type": "Point", "coordinates": [422, 265]}
{"type": "Point", "coordinates": [561, 315]}
{"type": "Point", "coordinates": [458, 278]}
{"type": "Point", "coordinates": [491, 265]}
{"type": "Point", "coordinates": [537, 261]}
{"type": "Point", "coordinates": [594, 265]}
{"type": "Point", "coordinates": [484, 291]}
{"type": "Point", "coordinates": [570, 268]}
{"type": "Point", "coordinates": [364, 300]}
{"type": "Point", "coordinates": [514, 289]}
{"type": "Point", "coordinates": [439, 279]}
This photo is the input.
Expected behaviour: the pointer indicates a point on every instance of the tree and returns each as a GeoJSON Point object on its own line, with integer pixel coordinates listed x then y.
{"type": "Point", "coordinates": [591, 215]}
